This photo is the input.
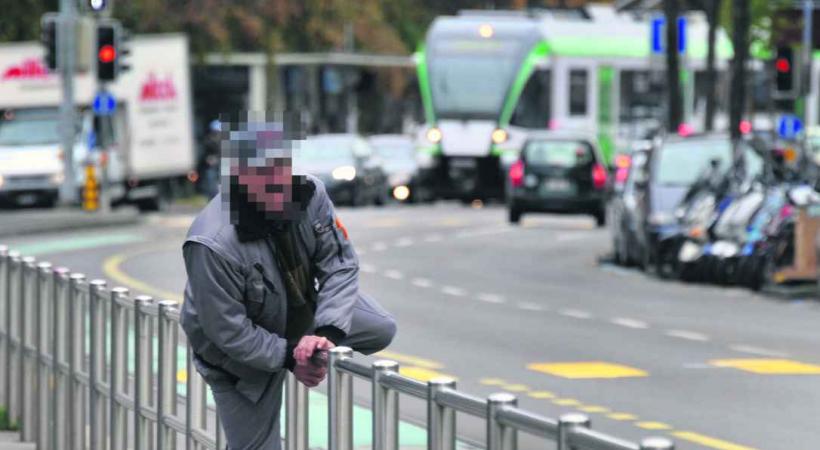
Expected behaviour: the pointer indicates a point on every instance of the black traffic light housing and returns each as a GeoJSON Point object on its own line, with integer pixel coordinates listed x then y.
{"type": "Point", "coordinates": [48, 37]}
{"type": "Point", "coordinates": [785, 73]}
{"type": "Point", "coordinates": [107, 53]}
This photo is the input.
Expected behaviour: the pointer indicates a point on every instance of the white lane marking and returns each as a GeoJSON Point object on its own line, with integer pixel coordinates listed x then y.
{"type": "Point", "coordinates": [454, 291]}
{"type": "Point", "coordinates": [491, 298]}
{"type": "Point", "coordinates": [758, 351]}
{"type": "Point", "coordinates": [630, 323]}
{"type": "Point", "coordinates": [379, 247]}
{"type": "Point", "coordinates": [527, 306]}
{"type": "Point", "coordinates": [422, 282]}
{"type": "Point", "coordinates": [404, 242]}
{"type": "Point", "coordinates": [575, 313]}
{"type": "Point", "coordinates": [689, 335]}
{"type": "Point", "coordinates": [393, 274]}
{"type": "Point", "coordinates": [367, 268]}
{"type": "Point", "coordinates": [433, 238]}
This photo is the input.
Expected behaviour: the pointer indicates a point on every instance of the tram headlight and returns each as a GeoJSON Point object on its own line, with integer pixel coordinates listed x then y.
{"type": "Point", "coordinates": [499, 136]}
{"type": "Point", "coordinates": [434, 135]}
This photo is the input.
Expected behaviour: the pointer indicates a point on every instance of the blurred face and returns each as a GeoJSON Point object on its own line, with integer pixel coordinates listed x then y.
{"type": "Point", "coordinates": [269, 187]}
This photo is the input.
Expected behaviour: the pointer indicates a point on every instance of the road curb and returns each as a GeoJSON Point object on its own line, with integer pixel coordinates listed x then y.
{"type": "Point", "coordinates": [48, 221]}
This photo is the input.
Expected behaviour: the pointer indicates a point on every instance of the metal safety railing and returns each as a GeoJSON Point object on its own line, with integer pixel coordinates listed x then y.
{"type": "Point", "coordinates": [88, 367]}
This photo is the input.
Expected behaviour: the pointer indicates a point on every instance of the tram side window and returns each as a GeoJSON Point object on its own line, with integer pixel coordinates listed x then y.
{"type": "Point", "coordinates": [534, 108]}
{"type": "Point", "coordinates": [578, 81]}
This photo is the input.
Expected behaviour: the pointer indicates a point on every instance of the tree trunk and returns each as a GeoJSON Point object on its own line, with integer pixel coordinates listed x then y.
{"type": "Point", "coordinates": [673, 88]}
{"type": "Point", "coordinates": [712, 13]}
{"type": "Point", "coordinates": [740, 41]}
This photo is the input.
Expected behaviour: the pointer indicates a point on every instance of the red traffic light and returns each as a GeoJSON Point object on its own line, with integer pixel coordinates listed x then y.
{"type": "Point", "coordinates": [107, 53]}
{"type": "Point", "coordinates": [782, 65]}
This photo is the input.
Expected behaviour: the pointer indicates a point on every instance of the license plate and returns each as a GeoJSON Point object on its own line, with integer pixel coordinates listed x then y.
{"type": "Point", "coordinates": [557, 186]}
{"type": "Point", "coordinates": [27, 199]}
{"type": "Point", "coordinates": [463, 163]}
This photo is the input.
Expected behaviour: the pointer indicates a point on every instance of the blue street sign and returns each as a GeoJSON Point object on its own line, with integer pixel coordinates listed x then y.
{"type": "Point", "coordinates": [789, 126]}
{"type": "Point", "coordinates": [104, 104]}
{"type": "Point", "coordinates": [658, 25]}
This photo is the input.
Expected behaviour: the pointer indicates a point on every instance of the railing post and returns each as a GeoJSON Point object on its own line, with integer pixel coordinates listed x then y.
{"type": "Point", "coordinates": [566, 423]}
{"type": "Point", "coordinates": [27, 385]}
{"type": "Point", "coordinates": [76, 345]}
{"type": "Point", "coordinates": [166, 375]}
{"type": "Point", "coordinates": [4, 331]}
{"type": "Point", "coordinates": [96, 402]}
{"type": "Point", "coordinates": [500, 437]}
{"type": "Point", "coordinates": [193, 401]}
{"type": "Point", "coordinates": [119, 368]}
{"type": "Point", "coordinates": [385, 408]}
{"type": "Point", "coordinates": [296, 408]}
{"type": "Point", "coordinates": [12, 303]}
{"type": "Point", "coordinates": [60, 384]}
{"type": "Point", "coordinates": [142, 371]}
{"type": "Point", "coordinates": [45, 276]}
{"type": "Point", "coordinates": [340, 401]}
{"type": "Point", "coordinates": [441, 421]}
{"type": "Point", "coordinates": [657, 443]}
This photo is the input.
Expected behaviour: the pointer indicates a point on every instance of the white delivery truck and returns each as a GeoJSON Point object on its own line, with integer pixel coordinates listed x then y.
{"type": "Point", "coordinates": [151, 151]}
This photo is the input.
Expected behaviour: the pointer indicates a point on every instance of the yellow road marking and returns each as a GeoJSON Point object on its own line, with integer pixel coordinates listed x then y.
{"type": "Point", "coordinates": [541, 394]}
{"type": "Point", "coordinates": [594, 409]}
{"type": "Point", "coordinates": [409, 359]}
{"type": "Point", "coordinates": [709, 441]}
{"type": "Point", "coordinates": [622, 416]}
{"type": "Point", "coordinates": [422, 374]}
{"type": "Point", "coordinates": [768, 366]}
{"type": "Point", "coordinates": [566, 402]}
{"type": "Point", "coordinates": [111, 267]}
{"type": "Point", "coordinates": [515, 387]}
{"type": "Point", "coordinates": [492, 381]}
{"type": "Point", "coordinates": [587, 370]}
{"type": "Point", "coordinates": [653, 426]}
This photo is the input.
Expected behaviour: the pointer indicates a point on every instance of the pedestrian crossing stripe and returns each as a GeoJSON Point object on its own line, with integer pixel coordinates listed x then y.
{"type": "Point", "coordinates": [767, 366]}
{"type": "Point", "coordinates": [587, 370]}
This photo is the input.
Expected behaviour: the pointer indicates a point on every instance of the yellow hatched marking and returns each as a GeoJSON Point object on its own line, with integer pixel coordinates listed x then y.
{"type": "Point", "coordinates": [587, 370]}
{"type": "Point", "coordinates": [765, 366]}
{"type": "Point", "coordinates": [566, 402]}
{"type": "Point", "coordinates": [653, 426]}
{"type": "Point", "coordinates": [409, 359]}
{"type": "Point", "coordinates": [707, 441]}
{"type": "Point", "coordinates": [515, 387]}
{"type": "Point", "coordinates": [541, 394]}
{"type": "Point", "coordinates": [594, 409]}
{"type": "Point", "coordinates": [622, 416]}
{"type": "Point", "coordinates": [422, 374]}
{"type": "Point", "coordinates": [492, 381]}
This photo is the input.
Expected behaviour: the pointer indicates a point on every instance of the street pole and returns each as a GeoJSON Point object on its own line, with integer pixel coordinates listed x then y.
{"type": "Point", "coordinates": [805, 76]}
{"type": "Point", "coordinates": [713, 10]}
{"type": "Point", "coordinates": [66, 53]}
{"type": "Point", "coordinates": [740, 41]}
{"type": "Point", "coordinates": [673, 87]}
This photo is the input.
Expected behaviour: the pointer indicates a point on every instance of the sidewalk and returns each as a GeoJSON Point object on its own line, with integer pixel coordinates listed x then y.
{"type": "Point", "coordinates": [10, 440]}
{"type": "Point", "coordinates": [16, 222]}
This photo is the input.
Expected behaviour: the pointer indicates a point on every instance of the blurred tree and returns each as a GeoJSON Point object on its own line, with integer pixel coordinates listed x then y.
{"type": "Point", "coordinates": [20, 21]}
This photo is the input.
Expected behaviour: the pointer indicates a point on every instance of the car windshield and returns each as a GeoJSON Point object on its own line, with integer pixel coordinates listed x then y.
{"type": "Point", "coordinates": [558, 153]}
{"type": "Point", "coordinates": [681, 162]}
{"type": "Point", "coordinates": [29, 129]}
{"type": "Point", "coordinates": [325, 149]}
{"type": "Point", "coordinates": [394, 149]}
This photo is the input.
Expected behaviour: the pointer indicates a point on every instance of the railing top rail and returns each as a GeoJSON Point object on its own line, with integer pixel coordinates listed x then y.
{"type": "Point", "coordinates": [355, 368]}
{"type": "Point", "coordinates": [587, 439]}
{"type": "Point", "coordinates": [528, 422]}
{"type": "Point", "coordinates": [462, 402]}
{"type": "Point", "coordinates": [404, 385]}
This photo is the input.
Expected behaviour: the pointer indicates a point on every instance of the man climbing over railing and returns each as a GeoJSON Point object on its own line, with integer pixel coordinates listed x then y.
{"type": "Point", "coordinates": [272, 279]}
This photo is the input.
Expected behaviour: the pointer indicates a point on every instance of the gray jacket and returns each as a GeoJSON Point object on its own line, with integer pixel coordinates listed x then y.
{"type": "Point", "coordinates": [235, 306]}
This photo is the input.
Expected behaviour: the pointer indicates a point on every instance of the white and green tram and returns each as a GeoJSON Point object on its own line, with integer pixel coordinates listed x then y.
{"type": "Point", "coordinates": [487, 77]}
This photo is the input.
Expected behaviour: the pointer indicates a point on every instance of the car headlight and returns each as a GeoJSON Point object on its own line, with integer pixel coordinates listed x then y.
{"type": "Point", "coordinates": [2, 180]}
{"type": "Point", "coordinates": [661, 218]}
{"type": "Point", "coordinates": [346, 173]}
{"type": "Point", "coordinates": [499, 136]}
{"type": "Point", "coordinates": [401, 193]}
{"type": "Point", "coordinates": [434, 135]}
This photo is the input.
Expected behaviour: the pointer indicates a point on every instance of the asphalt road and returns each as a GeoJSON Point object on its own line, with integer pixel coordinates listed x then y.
{"type": "Point", "coordinates": [529, 310]}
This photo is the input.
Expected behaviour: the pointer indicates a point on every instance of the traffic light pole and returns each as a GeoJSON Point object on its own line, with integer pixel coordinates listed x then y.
{"type": "Point", "coordinates": [66, 53]}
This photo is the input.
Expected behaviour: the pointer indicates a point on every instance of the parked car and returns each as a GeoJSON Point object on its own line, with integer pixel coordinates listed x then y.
{"type": "Point", "coordinates": [623, 211]}
{"type": "Point", "coordinates": [673, 167]}
{"type": "Point", "coordinates": [347, 165]}
{"type": "Point", "coordinates": [398, 156]}
{"type": "Point", "coordinates": [559, 173]}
